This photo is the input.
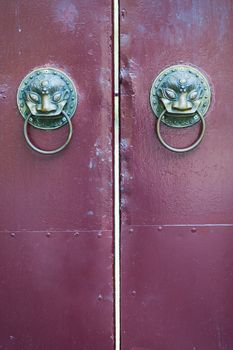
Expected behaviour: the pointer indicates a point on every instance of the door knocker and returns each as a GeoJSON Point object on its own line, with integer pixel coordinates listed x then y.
{"type": "Point", "coordinates": [47, 99]}
{"type": "Point", "coordinates": [180, 97]}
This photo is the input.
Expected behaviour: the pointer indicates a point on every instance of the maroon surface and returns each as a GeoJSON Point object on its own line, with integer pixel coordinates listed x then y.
{"type": "Point", "coordinates": [177, 288]}
{"type": "Point", "coordinates": [57, 33]}
{"type": "Point", "coordinates": [177, 188]}
{"type": "Point", "coordinates": [171, 271]}
{"type": "Point", "coordinates": [49, 290]}
{"type": "Point", "coordinates": [56, 291]}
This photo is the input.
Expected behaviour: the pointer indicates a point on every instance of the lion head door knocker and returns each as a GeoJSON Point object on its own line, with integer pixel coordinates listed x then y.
{"type": "Point", "coordinates": [180, 97]}
{"type": "Point", "coordinates": [47, 99]}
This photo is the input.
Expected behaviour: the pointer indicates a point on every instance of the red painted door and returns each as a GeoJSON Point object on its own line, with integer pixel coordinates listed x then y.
{"type": "Point", "coordinates": [177, 209]}
{"type": "Point", "coordinates": [56, 289]}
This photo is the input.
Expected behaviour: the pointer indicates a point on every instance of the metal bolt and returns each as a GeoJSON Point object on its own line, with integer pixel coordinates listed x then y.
{"type": "Point", "coordinates": [160, 228]}
{"type": "Point", "coordinates": [193, 229]}
{"type": "Point", "coordinates": [133, 292]}
{"type": "Point", "coordinates": [131, 230]}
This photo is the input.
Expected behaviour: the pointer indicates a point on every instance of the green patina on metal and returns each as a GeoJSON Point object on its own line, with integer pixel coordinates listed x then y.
{"type": "Point", "coordinates": [181, 92]}
{"type": "Point", "coordinates": [48, 97]}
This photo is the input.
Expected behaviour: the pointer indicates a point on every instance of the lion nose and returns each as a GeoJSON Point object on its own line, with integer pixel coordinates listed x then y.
{"type": "Point", "coordinates": [46, 105]}
{"type": "Point", "coordinates": [182, 104]}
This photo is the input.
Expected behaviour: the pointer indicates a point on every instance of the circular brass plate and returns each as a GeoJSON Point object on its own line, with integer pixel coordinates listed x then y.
{"type": "Point", "coordinates": [158, 107]}
{"type": "Point", "coordinates": [58, 82]}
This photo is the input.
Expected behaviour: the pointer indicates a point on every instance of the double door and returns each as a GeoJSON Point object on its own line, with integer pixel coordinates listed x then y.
{"type": "Point", "coordinates": [57, 261]}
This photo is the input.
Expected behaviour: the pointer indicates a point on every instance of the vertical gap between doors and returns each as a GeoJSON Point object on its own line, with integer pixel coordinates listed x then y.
{"type": "Point", "coordinates": [116, 175]}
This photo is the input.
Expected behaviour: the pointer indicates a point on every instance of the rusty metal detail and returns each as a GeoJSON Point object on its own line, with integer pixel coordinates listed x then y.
{"type": "Point", "coordinates": [45, 97]}
{"type": "Point", "coordinates": [182, 92]}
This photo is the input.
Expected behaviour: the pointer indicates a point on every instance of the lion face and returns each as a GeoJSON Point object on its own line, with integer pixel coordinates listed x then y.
{"type": "Point", "coordinates": [181, 94]}
{"type": "Point", "coordinates": [46, 97]}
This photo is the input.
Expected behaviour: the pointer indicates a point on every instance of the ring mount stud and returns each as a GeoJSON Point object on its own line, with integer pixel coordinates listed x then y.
{"type": "Point", "coordinates": [47, 100]}
{"type": "Point", "coordinates": [180, 97]}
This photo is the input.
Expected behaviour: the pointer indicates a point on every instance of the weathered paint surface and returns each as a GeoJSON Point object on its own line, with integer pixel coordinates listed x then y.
{"type": "Point", "coordinates": [56, 211]}
{"type": "Point", "coordinates": [177, 209]}
{"type": "Point", "coordinates": [177, 288]}
{"type": "Point", "coordinates": [56, 290]}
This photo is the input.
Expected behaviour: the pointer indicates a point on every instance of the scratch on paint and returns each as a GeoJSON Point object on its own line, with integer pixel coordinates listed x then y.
{"type": "Point", "coordinates": [17, 16]}
{"type": "Point", "coordinates": [3, 90]}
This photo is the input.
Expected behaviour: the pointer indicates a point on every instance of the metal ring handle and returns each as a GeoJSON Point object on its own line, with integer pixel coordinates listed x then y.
{"type": "Point", "coordinates": [25, 130]}
{"type": "Point", "coordinates": [186, 149]}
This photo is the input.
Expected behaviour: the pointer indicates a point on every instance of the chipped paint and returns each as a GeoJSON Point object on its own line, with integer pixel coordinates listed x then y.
{"type": "Point", "coordinates": [66, 13]}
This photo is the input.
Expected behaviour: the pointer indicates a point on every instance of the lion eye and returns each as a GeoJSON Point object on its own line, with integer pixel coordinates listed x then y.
{"type": "Point", "coordinates": [170, 94]}
{"type": "Point", "coordinates": [193, 95]}
{"type": "Point", "coordinates": [33, 97]}
{"type": "Point", "coordinates": [57, 96]}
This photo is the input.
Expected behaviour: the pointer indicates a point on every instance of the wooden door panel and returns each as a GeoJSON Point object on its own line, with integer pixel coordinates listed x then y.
{"type": "Point", "coordinates": [53, 293]}
{"type": "Point", "coordinates": [57, 293]}
{"type": "Point", "coordinates": [154, 36]}
{"type": "Point", "coordinates": [55, 33]}
{"type": "Point", "coordinates": [177, 288]}
{"type": "Point", "coordinates": [177, 209]}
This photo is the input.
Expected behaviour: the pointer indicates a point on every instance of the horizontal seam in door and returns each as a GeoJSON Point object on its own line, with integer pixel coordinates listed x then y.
{"type": "Point", "coordinates": [185, 225]}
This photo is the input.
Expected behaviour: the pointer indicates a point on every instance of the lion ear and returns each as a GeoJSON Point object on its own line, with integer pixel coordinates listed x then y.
{"type": "Point", "coordinates": [201, 92]}
{"type": "Point", "coordinates": [66, 95]}
{"type": "Point", "coordinates": [160, 93]}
